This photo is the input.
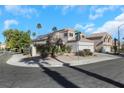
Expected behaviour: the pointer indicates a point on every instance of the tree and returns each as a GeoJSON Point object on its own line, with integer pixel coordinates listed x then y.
{"type": "Point", "coordinates": [59, 42]}
{"type": "Point", "coordinates": [49, 40]}
{"type": "Point", "coordinates": [39, 26]}
{"type": "Point", "coordinates": [25, 40]}
{"type": "Point", "coordinates": [115, 45]}
{"type": "Point", "coordinates": [29, 32]}
{"type": "Point", "coordinates": [17, 39]}
{"type": "Point", "coordinates": [12, 37]}
{"type": "Point", "coordinates": [77, 33]}
{"type": "Point", "coordinates": [33, 34]}
{"type": "Point", "coordinates": [54, 29]}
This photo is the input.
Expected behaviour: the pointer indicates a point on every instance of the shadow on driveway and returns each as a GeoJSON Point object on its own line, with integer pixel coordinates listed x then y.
{"type": "Point", "coordinates": [53, 74]}
{"type": "Point", "coordinates": [63, 81]}
{"type": "Point", "coordinates": [58, 78]}
{"type": "Point", "coordinates": [97, 76]}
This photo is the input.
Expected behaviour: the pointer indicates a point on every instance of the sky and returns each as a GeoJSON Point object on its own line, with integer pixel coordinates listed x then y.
{"type": "Point", "coordinates": [87, 19]}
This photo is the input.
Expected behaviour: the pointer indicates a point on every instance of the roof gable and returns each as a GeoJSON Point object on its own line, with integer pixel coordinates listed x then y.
{"type": "Point", "coordinates": [98, 35]}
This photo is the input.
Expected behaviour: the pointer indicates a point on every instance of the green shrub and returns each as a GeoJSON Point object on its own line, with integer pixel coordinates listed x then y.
{"type": "Point", "coordinates": [68, 48]}
{"type": "Point", "coordinates": [80, 53]}
{"type": "Point", "coordinates": [85, 52]}
{"type": "Point", "coordinates": [44, 54]}
{"type": "Point", "coordinates": [14, 50]}
{"type": "Point", "coordinates": [65, 49]}
{"type": "Point", "coordinates": [88, 52]}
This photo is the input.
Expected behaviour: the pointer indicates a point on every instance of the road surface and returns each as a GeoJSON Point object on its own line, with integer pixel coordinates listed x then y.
{"type": "Point", "coordinates": [105, 74]}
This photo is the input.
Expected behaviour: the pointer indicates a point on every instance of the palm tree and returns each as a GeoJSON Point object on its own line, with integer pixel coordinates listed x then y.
{"type": "Point", "coordinates": [29, 32]}
{"type": "Point", "coordinates": [39, 26]}
{"type": "Point", "coordinates": [54, 29]}
{"type": "Point", "coordinates": [33, 34]}
{"type": "Point", "coordinates": [77, 33]}
{"type": "Point", "coordinates": [115, 45]}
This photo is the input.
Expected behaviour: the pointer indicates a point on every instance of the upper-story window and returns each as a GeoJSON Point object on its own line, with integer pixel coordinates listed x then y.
{"type": "Point", "coordinates": [71, 34]}
{"type": "Point", "coordinates": [105, 39]}
{"type": "Point", "coordinates": [109, 40]}
{"type": "Point", "coordinates": [65, 34]}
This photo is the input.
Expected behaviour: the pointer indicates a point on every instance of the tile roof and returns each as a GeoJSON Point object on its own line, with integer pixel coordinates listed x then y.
{"type": "Point", "coordinates": [86, 40]}
{"type": "Point", "coordinates": [44, 37]}
{"type": "Point", "coordinates": [101, 34]}
{"type": "Point", "coordinates": [82, 40]}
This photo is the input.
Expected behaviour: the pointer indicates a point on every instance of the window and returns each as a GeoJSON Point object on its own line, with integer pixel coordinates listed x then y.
{"type": "Point", "coordinates": [65, 34]}
{"type": "Point", "coordinates": [71, 34]}
{"type": "Point", "coordinates": [105, 39]}
{"type": "Point", "coordinates": [109, 39]}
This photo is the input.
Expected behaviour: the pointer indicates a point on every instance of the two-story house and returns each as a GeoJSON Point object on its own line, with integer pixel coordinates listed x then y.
{"type": "Point", "coordinates": [103, 41]}
{"type": "Point", "coordinates": [69, 38]}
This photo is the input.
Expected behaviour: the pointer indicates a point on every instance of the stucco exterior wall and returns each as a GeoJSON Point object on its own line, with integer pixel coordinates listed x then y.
{"type": "Point", "coordinates": [2, 46]}
{"type": "Point", "coordinates": [33, 50]}
{"type": "Point", "coordinates": [106, 49]}
{"type": "Point", "coordinates": [73, 46]}
{"type": "Point", "coordinates": [81, 46]}
{"type": "Point", "coordinates": [86, 45]}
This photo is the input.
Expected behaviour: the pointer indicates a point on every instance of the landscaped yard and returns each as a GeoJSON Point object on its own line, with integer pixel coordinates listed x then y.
{"type": "Point", "coordinates": [59, 61]}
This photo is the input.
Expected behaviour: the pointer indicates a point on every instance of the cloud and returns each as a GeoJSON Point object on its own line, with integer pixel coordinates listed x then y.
{"type": "Point", "coordinates": [9, 22]}
{"type": "Point", "coordinates": [78, 26]}
{"type": "Point", "coordinates": [112, 26]}
{"type": "Point", "coordinates": [87, 28]}
{"type": "Point", "coordinates": [97, 12]}
{"type": "Point", "coordinates": [120, 17]}
{"type": "Point", "coordinates": [20, 10]}
{"type": "Point", "coordinates": [67, 8]}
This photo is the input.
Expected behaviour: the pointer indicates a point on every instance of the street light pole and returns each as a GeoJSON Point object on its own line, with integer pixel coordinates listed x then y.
{"type": "Point", "coordinates": [119, 37]}
{"type": "Point", "coordinates": [78, 39]}
{"type": "Point", "coordinates": [118, 40]}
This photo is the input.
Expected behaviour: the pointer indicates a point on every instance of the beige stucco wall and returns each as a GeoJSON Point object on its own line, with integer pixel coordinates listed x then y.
{"type": "Point", "coordinates": [81, 45]}
{"type": "Point", "coordinates": [2, 46]}
{"type": "Point", "coordinates": [106, 44]}
{"type": "Point", "coordinates": [106, 49]}
{"type": "Point", "coordinates": [86, 45]}
{"type": "Point", "coordinates": [33, 50]}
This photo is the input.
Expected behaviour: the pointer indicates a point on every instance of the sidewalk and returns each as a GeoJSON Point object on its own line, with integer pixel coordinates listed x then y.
{"type": "Point", "coordinates": [23, 61]}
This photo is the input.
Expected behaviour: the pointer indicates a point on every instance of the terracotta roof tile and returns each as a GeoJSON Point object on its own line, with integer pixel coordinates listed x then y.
{"type": "Point", "coordinates": [101, 34]}
{"type": "Point", "coordinates": [82, 40]}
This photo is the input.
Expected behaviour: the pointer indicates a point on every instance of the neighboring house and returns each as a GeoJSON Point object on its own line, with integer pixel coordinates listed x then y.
{"type": "Point", "coordinates": [103, 41]}
{"type": "Point", "coordinates": [122, 46]}
{"type": "Point", "coordinates": [2, 46]}
{"type": "Point", "coordinates": [69, 38]}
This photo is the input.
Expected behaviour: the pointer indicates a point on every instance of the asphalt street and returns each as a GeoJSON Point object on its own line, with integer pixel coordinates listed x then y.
{"type": "Point", "coordinates": [105, 74]}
